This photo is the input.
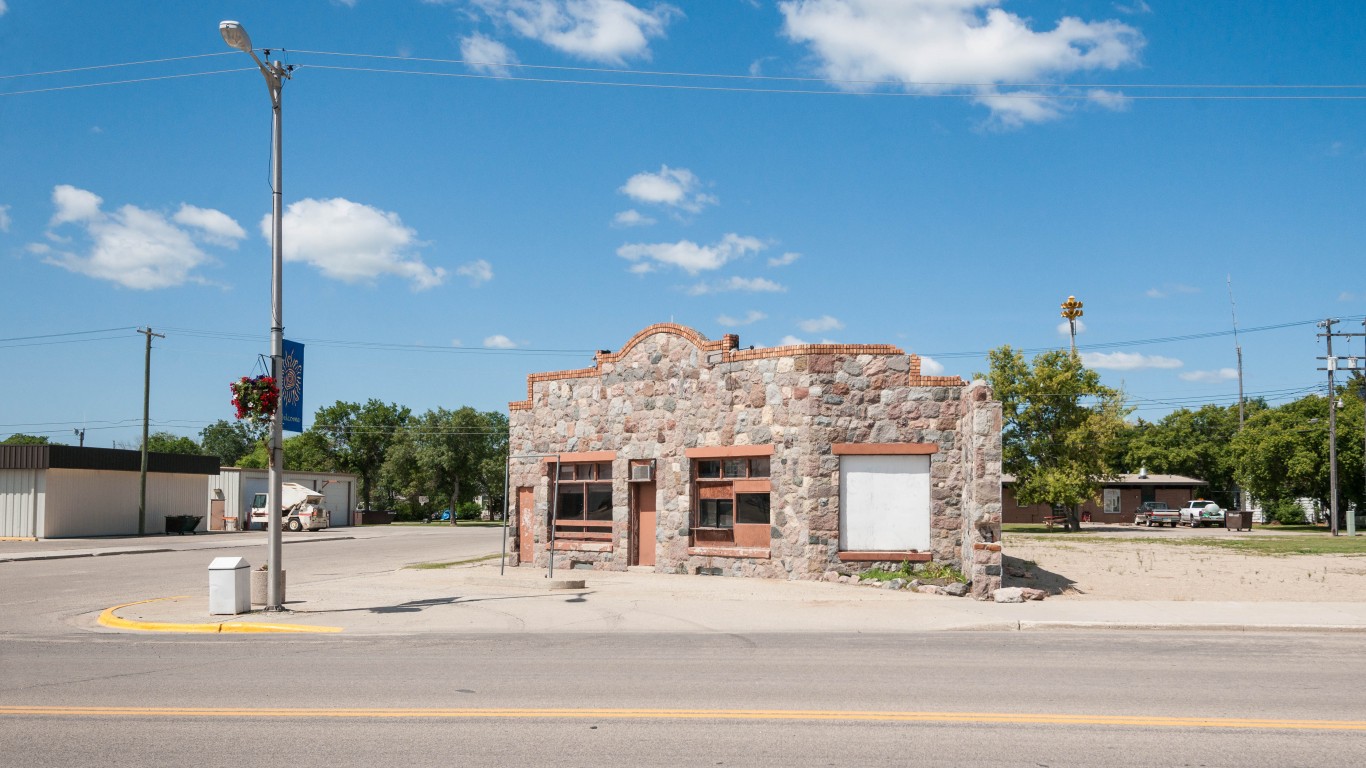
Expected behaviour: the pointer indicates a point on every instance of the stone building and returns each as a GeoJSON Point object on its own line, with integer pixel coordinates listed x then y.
{"type": "Point", "coordinates": [693, 456]}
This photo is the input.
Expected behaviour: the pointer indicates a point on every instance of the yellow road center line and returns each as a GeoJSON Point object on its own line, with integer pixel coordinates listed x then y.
{"type": "Point", "coordinates": [1017, 718]}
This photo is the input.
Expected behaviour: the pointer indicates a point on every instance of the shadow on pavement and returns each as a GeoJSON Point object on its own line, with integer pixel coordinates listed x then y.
{"type": "Point", "coordinates": [417, 606]}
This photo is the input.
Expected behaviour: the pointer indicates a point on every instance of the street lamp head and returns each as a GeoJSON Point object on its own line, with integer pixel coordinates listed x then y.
{"type": "Point", "coordinates": [234, 35]}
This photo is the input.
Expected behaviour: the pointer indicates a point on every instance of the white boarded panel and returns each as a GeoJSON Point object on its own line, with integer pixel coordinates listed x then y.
{"type": "Point", "coordinates": [884, 503]}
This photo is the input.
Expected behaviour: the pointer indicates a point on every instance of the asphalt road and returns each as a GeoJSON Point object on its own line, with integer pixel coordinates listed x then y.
{"type": "Point", "coordinates": [70, 697]}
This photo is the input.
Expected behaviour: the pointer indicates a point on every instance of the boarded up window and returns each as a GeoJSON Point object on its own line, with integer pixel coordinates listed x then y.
{"type": "Point", "coordinates": [884, 503]}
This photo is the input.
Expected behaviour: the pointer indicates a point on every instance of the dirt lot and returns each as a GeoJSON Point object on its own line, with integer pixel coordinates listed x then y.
{"type": "Point", "coordinates": [1127, 563]}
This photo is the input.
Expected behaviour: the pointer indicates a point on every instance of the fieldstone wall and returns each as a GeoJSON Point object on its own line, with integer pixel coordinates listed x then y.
{"type": "Point", "coordinates": [670, 389]}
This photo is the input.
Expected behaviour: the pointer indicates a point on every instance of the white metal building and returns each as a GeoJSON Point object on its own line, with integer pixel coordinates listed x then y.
{"type": "Point", "coordinates": [63, 491]}
{"type": "Point", "coordinates": [234, 487]}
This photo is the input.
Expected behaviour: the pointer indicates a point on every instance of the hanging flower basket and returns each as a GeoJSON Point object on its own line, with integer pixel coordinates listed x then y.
{"type": "Point", "coordinates": [255, 398]}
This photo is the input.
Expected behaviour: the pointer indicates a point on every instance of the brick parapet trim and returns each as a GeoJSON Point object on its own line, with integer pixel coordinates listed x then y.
{"type": "Point", "coordinates": [728, 346]}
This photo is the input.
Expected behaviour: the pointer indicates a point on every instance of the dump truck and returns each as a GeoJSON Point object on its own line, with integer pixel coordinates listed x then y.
{"type": "Point", "coordinates": [301, 509]}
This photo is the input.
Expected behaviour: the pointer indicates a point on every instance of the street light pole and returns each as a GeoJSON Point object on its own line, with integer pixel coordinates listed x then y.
{"type": "Point", "coordinates": [275, 74]}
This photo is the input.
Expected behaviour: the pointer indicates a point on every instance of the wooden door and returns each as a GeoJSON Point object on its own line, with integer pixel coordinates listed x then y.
{"type": "Point", "coordinates": [644, 520]}
{"type": "Point", "coordinates": [526, 525]}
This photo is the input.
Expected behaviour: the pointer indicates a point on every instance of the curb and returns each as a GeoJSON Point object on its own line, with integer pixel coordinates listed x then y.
{"type": "Point", "coordinates": [1027, 626]}
{"type": "Point", "coordinates": [109, 619]}
{"type": "Point", "coordinates": [153, 551]}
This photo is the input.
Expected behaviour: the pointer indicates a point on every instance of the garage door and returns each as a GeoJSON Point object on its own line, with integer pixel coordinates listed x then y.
{"type": "Point", "coordinates": [884, 503]}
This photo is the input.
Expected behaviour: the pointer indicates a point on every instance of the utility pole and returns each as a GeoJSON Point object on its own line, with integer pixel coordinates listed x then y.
{"type": "Point", "coordinates": [1242, 411]}
{"type": "Point", "coordinates": [80, 433]}
{"type": "Point", "coordinates": [1331, 364]}
{"type": "Point", "coordinates": [146, 402]}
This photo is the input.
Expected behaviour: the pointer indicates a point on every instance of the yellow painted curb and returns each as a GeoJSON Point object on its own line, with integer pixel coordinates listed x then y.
{"type": "Point", "coordinates": [109, 619]}
{"type": "Point", "coordinates": [18, 538]}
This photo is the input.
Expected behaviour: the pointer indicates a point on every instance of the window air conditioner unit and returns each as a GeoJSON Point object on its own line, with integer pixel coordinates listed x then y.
{"type": "Point", "coordinates": [642, 473]}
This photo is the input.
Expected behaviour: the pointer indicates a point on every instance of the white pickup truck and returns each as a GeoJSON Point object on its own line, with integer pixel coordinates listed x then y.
{"type": "Point", "coordinates": [301, 509]}
{"type": "Point", "coordinates": [1201, 512]}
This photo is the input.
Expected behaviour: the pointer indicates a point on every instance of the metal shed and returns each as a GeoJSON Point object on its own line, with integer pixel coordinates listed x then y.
{"type": "Point", "coordinates": [63, 491]}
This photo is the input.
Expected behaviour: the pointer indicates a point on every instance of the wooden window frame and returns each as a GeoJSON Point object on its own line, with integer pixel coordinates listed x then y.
{"type": "Point", "coordinates": [580, 531]}
{"type": "Point", "coordinates": [726, 477]}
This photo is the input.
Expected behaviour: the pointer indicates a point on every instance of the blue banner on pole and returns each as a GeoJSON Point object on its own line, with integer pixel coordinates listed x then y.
{"type": "Point", "coordinates": [292, 387]}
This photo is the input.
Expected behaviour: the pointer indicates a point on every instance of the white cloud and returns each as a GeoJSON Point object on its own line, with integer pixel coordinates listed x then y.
{"type": "Point", "coordinates": [1127, 361]}
{"type": "Point", "coordinates": [632, 218]}
{"type": "Point", "coordinates": [132, 247]}
{"type": "Point", "coordinates": [3, 7]}
{"type": "Point", "coordinates": [601, 30]}
{"type": "Point", "coordinates": [1347, 296]}
{"type": "Point", "coordinates": [4, 209]}
{"type": "Point", "coordinates": [931, 367]}
{"type": "Point", "coordinates": [790, 341]}
{"type": "Point", "coordinates": [1135, 7]}
{"type": "Point", "coordinates": [673, 187]}
{"type": "Point", "coordinates": [353, 242]}
{"type": "Point", "coordinates": [689, 256]}
{"type": "Point", "coordinates": [499, 341]}
{"type": "Point", "coordinates": [747, 284]}
{"type": "Point", "coordinates": [217, 227]}
{"type": "Point", "coordinates": [1063, 330]}
{"type": "Point", "coordinates": [751, 317]}
{"type": "Point", "coordinates": [478, 271]}
{"type": "Point", "coordinates": [1207, 377]}
{"type": "Point", "coordinates": [1169, 289]}
{"type": "Point", "coordinates": [1112, 100]}
{"type": "Point", "coordinates": [74, 205]}
{"type": "Point", "coordinates": [784, 260]}
{"type": "Point", "coordinates": [938, 46]}
{"type": "Point", "coordinates": [484, 54]}
{"type": "Point", "coordinates": [821, 324]}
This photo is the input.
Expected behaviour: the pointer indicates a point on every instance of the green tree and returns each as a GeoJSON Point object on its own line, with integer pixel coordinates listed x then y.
{"type": "Point", "coordinates": [359, 436]}
{"type": "Point", "coordinates": [1059, 427]}
{"type": "Point", "coordinates": [307, 452]}
{"type": "Point", "coordinates": [1282, 453]}
{"type": "Point", "coordinates": [228, 440]}
{"type": "Point", "coordinates": [166, 442]}
{"type": "Point", "coordinates": [19, 438]}
{"type": "Point", "coordinates": [455, 455]}
{"type": "Point", "coordinates": [1195, 443]}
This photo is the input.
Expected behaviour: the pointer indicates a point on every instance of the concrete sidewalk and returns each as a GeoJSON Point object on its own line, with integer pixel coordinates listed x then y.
{"type": "Point", "coordinates": [477, 599]}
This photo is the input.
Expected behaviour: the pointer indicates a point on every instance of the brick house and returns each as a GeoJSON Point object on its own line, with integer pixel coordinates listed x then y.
{"type": "Point", "coordinates": [1117, 500]}
{"type": "Point", "coordinates": [686, 455]}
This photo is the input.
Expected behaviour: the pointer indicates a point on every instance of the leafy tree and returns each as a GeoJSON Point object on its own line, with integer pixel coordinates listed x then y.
{"type": "Point", "coordinates": [461, 453]}
{"type": "Point", "coordinates": [1195, 443]}
{"type": "Point", "coordinates": [307, 452]}
{"type": "Point", "coordinates": [228, 440]}
{"type": "Point", "coordinates": [19, 438]}
{"type": "Point", "coordinates": [359, 436]}
{"type": "Point", "coordinates": [166, 442]}
{"type": "Point", "coordinates": [1059, 427]}
{"type": "Point", "coordinates": [1282, 453]}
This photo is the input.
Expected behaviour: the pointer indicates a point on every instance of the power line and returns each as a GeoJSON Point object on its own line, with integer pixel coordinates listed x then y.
{"type": "Point", "coordinates": [1061, 96]}
{"type": "Point", "coordinates": [1038, 91]}
{"type": "Point", "coordinates": [121, 82]}
{"type": "Point", "coordinates": [112, 66]}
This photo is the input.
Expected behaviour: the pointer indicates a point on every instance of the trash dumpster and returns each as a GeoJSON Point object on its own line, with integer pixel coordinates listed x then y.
{"type": "Point", "coordinates": [229, 586]}
{"type": "Point", "coordinates": [182, 524]}
{"type": "Point", "coordinates": [1238, 521]}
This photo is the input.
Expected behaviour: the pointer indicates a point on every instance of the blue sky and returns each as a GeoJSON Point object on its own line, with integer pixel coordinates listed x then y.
{"type": "Point", "coordinates": [936, 174]}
